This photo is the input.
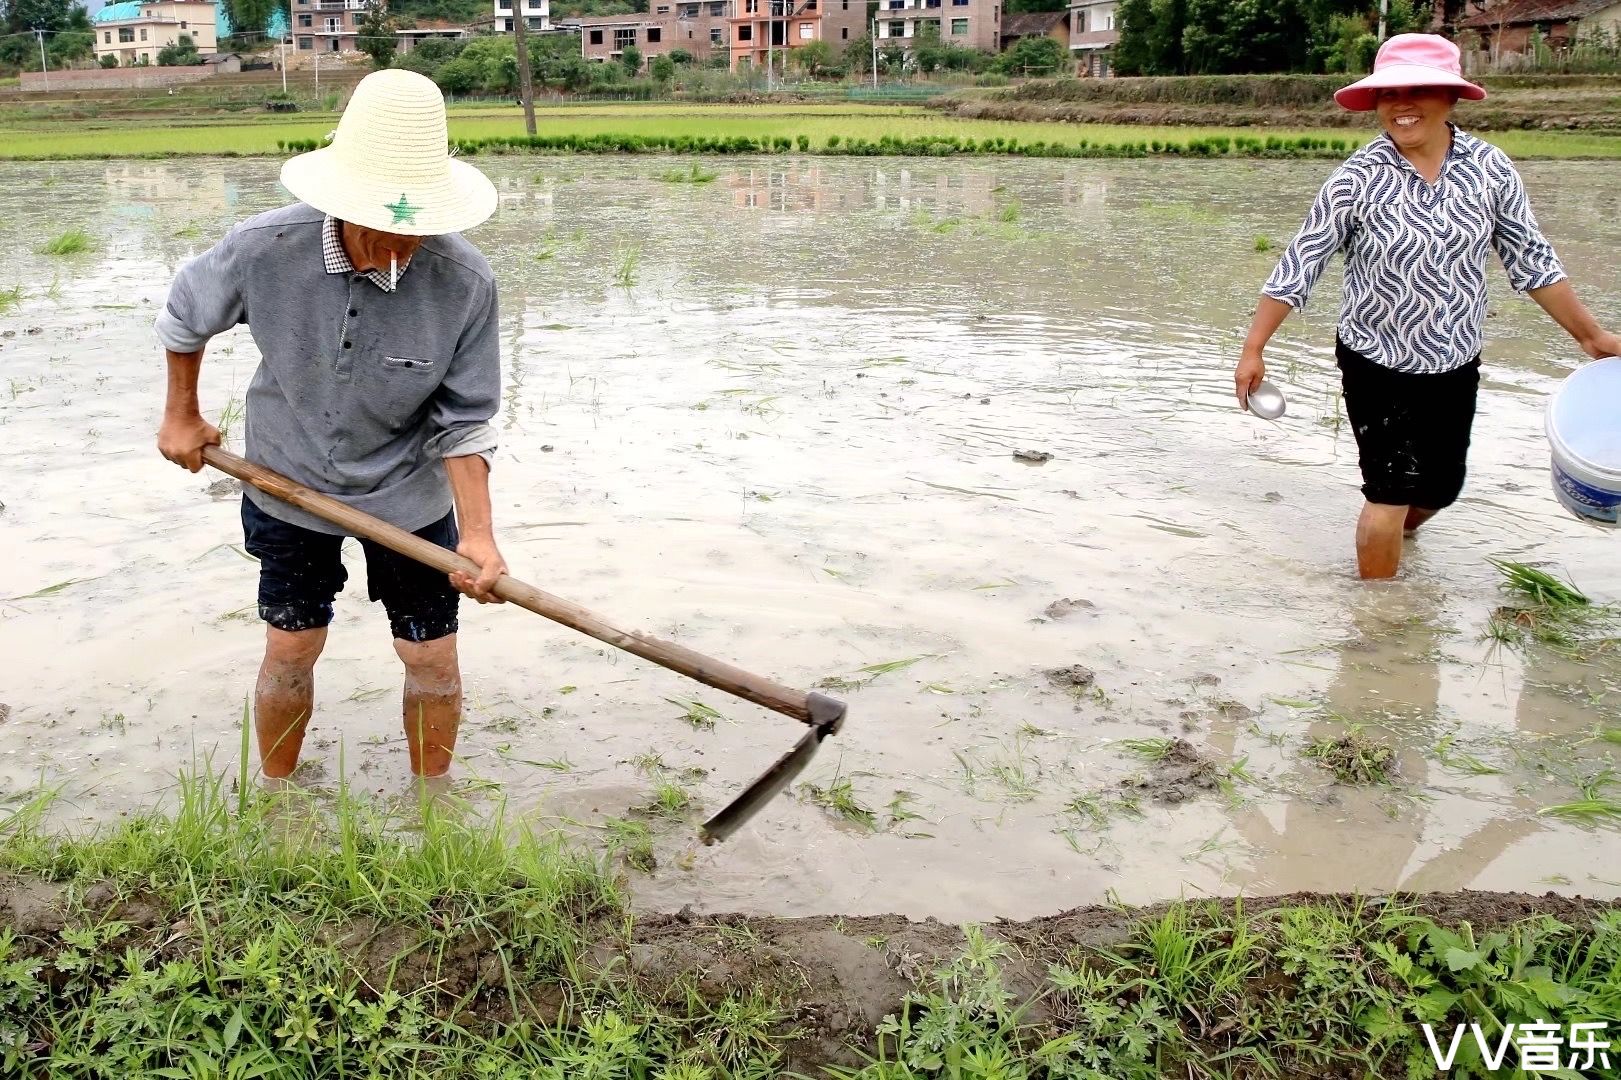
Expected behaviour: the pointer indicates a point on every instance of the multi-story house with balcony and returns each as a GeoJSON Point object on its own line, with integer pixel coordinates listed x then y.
{"type": "Point", "coordinates": [135, 33]}
{"type": "Point", "coordinates": [700, 27]}
{"type": "Point", "coordinates": [1092, 36]}
{"type": "Point", "coordinates": [976, 24]}
{"type": "Point", "coordinates": [767, 31]}
{"type": "Point", "coordinates": [327, 25]}
{"type": "Point", "coordinates": [537, 15]}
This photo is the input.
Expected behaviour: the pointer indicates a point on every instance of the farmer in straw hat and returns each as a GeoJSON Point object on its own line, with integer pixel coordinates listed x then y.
{"type": "Point", "coordinates": [379, 372]}
{"type": "Point", "coordinates": [1416, 212]}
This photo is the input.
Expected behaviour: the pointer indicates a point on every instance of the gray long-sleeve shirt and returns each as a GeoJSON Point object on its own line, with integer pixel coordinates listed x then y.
{"type": "Point", "coordinates": [361, 392]}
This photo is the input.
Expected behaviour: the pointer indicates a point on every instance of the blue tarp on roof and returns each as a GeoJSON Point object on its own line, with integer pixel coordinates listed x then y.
{"type": "Point", "coordinates": [129, 9]}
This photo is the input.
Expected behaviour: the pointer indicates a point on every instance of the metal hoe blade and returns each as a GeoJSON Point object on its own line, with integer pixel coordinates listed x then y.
{"type": "Point", "coordinates": [827, 717]}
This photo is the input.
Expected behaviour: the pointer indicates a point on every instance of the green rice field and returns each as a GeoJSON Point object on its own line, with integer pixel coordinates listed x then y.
{"type": "Point", "coordinates": [163, 137]}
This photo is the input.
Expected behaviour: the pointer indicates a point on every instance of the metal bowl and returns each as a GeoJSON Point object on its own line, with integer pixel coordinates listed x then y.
{"type": "Point", "coordinates": [1266, 401]}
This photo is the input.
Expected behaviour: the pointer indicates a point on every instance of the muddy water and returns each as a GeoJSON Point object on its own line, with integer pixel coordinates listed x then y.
{"type": "Point", "coordinates": [789, 441]}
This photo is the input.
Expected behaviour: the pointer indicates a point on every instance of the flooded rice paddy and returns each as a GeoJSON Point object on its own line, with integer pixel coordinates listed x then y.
{"type": "Point", "coordinates": [775, 416]}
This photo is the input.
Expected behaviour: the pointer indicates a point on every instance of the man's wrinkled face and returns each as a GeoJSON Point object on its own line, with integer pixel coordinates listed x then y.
{"type": "Point", "coordinates": [370, 249]}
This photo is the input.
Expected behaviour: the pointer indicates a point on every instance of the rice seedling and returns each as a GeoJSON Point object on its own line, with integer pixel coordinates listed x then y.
{"type": "Point", "coordinates": [1611, 735]}
{"type": "Point", "coordinates": [235, 411]}
{"type": "Point", "coordinates": [1595, 805]}
{"type": "Point", "coordinates": [1263, 243]}
{"type": "Point", "coordinates": [1551, 612]}
{"type": "Point", "coordinates": [1538, 586]}
{"type": "Point", "coordinates": [696, 174]}
{"type": "Point", "coordinates": [696, 713]}
{"type": "Point", "coordinates": [1009, 212]}
{"type": "Point", "coordinates": [72, 242]}
{"type": "Point", "coordinates": [1354, 757]}
{"type": "Point", "coordinates": [1151, 749]}
{"type": "Point", "coordinates": [10, 298]}
{"type": "Point", "coordinates": [1460, 761]}
{"type": "Point", "coordinates": [648, 763]}
{"type": "Point", "coordinates": [631, 841]}
{"type": "Point", "coordinates": [839, 799]}
{"type": "Point", "coordinates": [669, 800]}
{"type": "Point", "coordinates": [626, 264]}
{"type": "Point", "coordinates": [889, 667]}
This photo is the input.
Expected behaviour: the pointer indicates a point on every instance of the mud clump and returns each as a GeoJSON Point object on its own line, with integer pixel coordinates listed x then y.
{"type": "Point", "coordinates": [1074, 678]}
{"type": "Point", "coordinates": [1179, 775]}
{"type": "Point", "coordinates": [1032, 457]}
{"type": "Point", "coordinates": [1063, 609]}
{"type": "Point", "coordinates": [220, 490]}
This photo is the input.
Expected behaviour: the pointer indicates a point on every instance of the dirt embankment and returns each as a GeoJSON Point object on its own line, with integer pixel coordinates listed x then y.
{"type": "Point", "coordinates": [837, 978]}
{"type": "Point", "coordinates": [1554, 102]}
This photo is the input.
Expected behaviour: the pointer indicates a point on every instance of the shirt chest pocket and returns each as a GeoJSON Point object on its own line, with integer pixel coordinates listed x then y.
{"type": "Point", "coordinates": [394, 386]}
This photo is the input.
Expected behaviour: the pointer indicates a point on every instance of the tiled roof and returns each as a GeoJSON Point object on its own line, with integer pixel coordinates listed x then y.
{"type": "Point", "coordinates": [1031, 23]}
{"type": "Point", "coordinates": [1519, 12]}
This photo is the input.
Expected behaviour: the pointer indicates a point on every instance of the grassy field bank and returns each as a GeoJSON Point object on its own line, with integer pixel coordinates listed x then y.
{"type": "Point", "coordinates": [253, 934]}
{"type": "Point", "coordinates": [1590, 103]}
{"type": "Point", "coordinates": [162, 137]}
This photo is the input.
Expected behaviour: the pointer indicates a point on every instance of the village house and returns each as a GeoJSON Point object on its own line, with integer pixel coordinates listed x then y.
{"type": "Point", "coordinates": [1507, 28]}
{"type": "Point", "coordinates": [537, 15]}
{"type": "Point", "coordinates": [327, 25]}
{"type": "Point", "coordinates": [406, 40]}
{"type": "Point", "coordinates": [974, 24]}
{"type": "Point", "coordinates": [136, 30]}
{"type": "Point", "coordinates": [1033, 24]}
{"type": "Point", "coordinates": [1092, 36]}
{"type": "Point", "coordinates": [766, 29]}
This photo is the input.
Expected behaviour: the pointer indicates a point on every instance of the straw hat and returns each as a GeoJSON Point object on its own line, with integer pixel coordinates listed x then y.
{"type": "Point", "coordinates": [388, 166]}
{"type": "Point", "coordinates": [1408, 60]}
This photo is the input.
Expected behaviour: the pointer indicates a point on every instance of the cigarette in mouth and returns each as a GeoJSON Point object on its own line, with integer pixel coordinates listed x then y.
{"type": "Point", "coordinates": [393, 271]}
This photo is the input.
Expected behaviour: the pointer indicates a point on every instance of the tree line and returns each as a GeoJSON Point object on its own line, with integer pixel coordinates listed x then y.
{"type": "Point", "coordinates": [1235, 37]}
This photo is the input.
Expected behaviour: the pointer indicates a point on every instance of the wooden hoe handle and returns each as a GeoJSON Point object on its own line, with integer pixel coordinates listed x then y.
{"type": "Point", "coordinates": [814, 709]}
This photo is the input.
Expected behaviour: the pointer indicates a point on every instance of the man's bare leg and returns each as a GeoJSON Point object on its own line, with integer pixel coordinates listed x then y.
{"type": "Point", "coordinates": [1416, 516]}
{"type": "Point", "coordinates": [433, 702]}
{"type": "Point", "coordinates": [285, 696]}
{"type": "Point", "coordinates": [1378, 540]}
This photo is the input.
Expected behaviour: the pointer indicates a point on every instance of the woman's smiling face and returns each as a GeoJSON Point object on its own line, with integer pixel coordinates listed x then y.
{"type": "Point", "coordinates": [1413, 116]}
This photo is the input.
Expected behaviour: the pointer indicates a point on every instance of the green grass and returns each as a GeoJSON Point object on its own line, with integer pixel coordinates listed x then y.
{"type": "Point", "coordinates": [10, 298]}
{"type": "Point", "coordinates": [696, 713]}
{"type": "Point", "coordinates": [72, 242]}
{"type": "Point", "coordinates": [1549, 612]}
{"type": "Point", "coordinates": [243, 933]}
{"type": "Point", "coordinates": [694, 174]}
{"type": "Point", "coordinates": [179, 135]}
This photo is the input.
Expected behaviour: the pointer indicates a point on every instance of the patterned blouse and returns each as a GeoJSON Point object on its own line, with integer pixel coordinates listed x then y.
{"type": "Point", "coordinates": [1415, 254]}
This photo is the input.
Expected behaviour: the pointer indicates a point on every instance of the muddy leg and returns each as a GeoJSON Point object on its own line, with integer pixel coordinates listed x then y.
{"type": "Point", "coordinates": [1378, 540]}
{"type": "Point", "coordinates": [285, 696]}
{"type": "Point", "coordinates": [1416, 516]}
{"type": "Point", "coordinates": [433, 702]}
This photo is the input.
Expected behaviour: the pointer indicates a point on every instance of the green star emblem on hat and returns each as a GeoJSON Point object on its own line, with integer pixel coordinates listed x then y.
{"type": "Point", "coordinates": [404, 213]}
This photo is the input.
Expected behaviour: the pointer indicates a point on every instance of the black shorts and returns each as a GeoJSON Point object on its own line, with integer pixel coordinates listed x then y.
{"type": "Point", "coordinates": [301, 572]}
{"type": "Point", "coordinates": [1412, 430]}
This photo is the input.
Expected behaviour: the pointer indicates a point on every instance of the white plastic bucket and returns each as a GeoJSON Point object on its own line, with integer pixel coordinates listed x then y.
{"type": "Point", "coordinates": [1584, 433]}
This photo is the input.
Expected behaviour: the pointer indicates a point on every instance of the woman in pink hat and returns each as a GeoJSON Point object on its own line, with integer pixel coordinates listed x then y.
{"type": "Point", "coordinates": [1416, 212]}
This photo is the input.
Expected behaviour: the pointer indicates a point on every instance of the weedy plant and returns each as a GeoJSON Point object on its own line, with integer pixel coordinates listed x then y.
{"type": "Point", "coordinates": [1596, 804]}
{"type": "Point", "coordinates": [10, 298]}
{"type": "Point", "coordinates": [1355, 757]}
{"type": "Point", "coordinates": [1263, 243]}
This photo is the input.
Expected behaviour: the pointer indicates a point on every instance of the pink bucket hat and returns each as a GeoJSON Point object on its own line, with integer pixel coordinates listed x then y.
{"type": "Point", "coordinates": [1409, 60]}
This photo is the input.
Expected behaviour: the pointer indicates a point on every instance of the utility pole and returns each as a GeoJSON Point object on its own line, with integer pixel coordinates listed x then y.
{"type": "Point", "coordinates": [317, 59]}
{"type": "Point", "coordinates": [875, 54]}
{"type": "Point", "coordinates": [283, 44]}
{"type": "Point", "coordinates": [526, 89]}
{"type": "Point", "coordinates": [44, 69]}
{"type": "Point", "coordinates": [770, 42]}
{"type": "Point", "coordinates": [1384, 10]}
